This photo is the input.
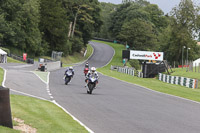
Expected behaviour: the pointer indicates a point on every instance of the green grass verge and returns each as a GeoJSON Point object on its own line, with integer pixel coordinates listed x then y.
{"type": "Point", "coordinates": [77, 57]}
{"type": "Point", "coordinates": [45, 116]}
{"type": "Point", "coordinates": [8, 130]}
{"type": "Point", "coordinates": [183, 73]}
{"type": "Point", "coordinates": [42, 75]}
{"type": "Point", "coordinates": [154, 84]}
{"type": "Point", "coordinates": [11, 60]}
{"type": "Point", "coordinates": [45, 57]}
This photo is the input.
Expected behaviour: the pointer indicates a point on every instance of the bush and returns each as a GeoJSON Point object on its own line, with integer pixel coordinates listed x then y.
{"type": "Point", "coordinates": [135, 64]}
{"type": "Point", "coordinates": [77, 44]}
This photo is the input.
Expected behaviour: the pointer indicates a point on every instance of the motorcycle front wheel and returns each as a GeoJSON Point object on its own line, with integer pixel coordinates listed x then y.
{"type": "Point", "coordinates": [67, 79]}
{"type": "Point", "coordinates": [91, 87]}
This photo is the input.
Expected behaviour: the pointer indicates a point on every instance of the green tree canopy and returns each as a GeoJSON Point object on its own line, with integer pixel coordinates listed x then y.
{"type": "Point", "coordinates": [181, 32]}
{"type": "Point", "coordinates": [138, 34]}
{"type": "Point", "coordinates": [20, 21]}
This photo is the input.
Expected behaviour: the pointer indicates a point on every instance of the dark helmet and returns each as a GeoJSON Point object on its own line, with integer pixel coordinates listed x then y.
{"type": "Point", "coordinates": [87, 64]}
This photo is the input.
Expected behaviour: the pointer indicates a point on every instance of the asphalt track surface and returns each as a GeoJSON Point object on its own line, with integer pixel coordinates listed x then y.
{"type": "Point", "coordinates": [20, 78]}
{"type": "Point", "coordinates": [119, 107]}
{"type": "Point", "coordinates": [115, 106]}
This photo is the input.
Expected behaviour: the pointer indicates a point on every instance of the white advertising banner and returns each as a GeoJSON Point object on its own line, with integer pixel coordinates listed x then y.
{"type": "Point", "coordinates": [146, 55]}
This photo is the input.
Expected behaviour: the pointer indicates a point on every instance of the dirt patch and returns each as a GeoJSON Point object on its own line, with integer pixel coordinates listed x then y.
{"type": "Point", "coordinates": [23, 127]}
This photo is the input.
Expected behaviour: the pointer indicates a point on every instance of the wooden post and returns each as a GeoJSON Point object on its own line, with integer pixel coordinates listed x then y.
{"type": "Point", "coordinates": [5, 111]}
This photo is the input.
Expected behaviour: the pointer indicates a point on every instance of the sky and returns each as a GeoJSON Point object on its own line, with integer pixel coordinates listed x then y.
{"type": "Point", "coordinates": [165, 5]}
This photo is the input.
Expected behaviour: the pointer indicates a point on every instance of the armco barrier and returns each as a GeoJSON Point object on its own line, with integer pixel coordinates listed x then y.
{"type": "Point", "coordinates": [187, 82]}
{"type": "Point", "coordinates": [49, 66]}
{"type": "Point", "coordinates": [125, 70]}
{"type": "Point", "coordinates": [53, 65]}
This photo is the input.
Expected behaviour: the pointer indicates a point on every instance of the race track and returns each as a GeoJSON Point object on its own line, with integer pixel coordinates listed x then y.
{"type": "Point", "coordinates": [115, 106]}
{"type": "Point", "coordinates": [119, 107]}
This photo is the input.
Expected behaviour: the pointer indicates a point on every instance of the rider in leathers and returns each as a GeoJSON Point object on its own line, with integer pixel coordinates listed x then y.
{"type": "Point", "coordinates": [92, 72]}
{"type": "Point", "coordinates": [70, 69]}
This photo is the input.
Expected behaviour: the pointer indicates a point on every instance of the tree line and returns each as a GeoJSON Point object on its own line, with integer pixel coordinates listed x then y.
{"type": "Point", "coordinates": [41, 26]}
{"type": "Point", "coordinates": [144, 26]}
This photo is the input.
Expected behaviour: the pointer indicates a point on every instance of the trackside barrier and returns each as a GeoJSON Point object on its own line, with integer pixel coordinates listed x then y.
{"type": "Point", "coordinates": [128, 71]}
{"type": "Point", "coordinates": [187, 82]}
{"type": "Point", "coordinates": [139, 74]}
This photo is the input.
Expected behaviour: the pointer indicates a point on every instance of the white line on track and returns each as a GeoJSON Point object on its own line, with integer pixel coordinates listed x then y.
{"type": "Point", "coordinates": [53, 101]}
{"type": "Point", "coordinates": [154, 90]}
{"type": "Point", "coordinates": [29, 95]}
{"type": "Point", "coordinates": [89, 130]}
{"type": "Point", "coordinates": [4, 78]}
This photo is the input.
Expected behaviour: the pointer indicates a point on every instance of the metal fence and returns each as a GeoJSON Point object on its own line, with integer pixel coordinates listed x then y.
{"type": "Point", "coordinates": [129, 71]}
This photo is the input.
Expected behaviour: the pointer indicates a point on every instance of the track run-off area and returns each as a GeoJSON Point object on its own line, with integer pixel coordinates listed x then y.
{"type": "Point", "coordinates": [114, 107]}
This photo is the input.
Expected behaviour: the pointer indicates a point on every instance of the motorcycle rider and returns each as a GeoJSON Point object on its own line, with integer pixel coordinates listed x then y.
{"type": "Point", "coordinates": [87, 65]}
{"type": "Point", "coordinates": [92, 72]}
{"type": "Point", "coordinates": [86, 69]}
{"type": "Point", "coordinates": [70, 69]}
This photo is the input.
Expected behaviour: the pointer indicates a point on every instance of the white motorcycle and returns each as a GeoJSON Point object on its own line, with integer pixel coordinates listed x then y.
{"type": "Point", "coordinates": [68, 77]}
{"type": "Point", "coordinates": [92, 81]}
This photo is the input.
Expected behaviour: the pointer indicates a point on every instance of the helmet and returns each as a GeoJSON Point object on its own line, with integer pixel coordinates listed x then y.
{"type": "Point", "coordinates": [93, 69]}
{"type": "Point", "coordinates": [70, 67]}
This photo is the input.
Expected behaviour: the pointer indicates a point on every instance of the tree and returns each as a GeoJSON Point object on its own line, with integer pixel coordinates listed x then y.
{"type": "Point", "coordinates": [21, 24]}
{"type": "Point", "coordinates": [106, 10]}
{"type": "Point", "coordinates": [84, 16]}
{"type": "Point", "coordinates": [54, 25]}
{"type": "Point", "coordinates": [138, 9]}
{"type": "Point", "coordinates": [138, 34]}
{"type": "Point", "coordinates": [183, 29]}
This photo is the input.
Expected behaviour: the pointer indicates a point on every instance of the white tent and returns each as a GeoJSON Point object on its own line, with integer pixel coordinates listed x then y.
{"type": "Point", "coordinates": [196, 62]}
{"type": "Point", "coordinates": [3, 56]}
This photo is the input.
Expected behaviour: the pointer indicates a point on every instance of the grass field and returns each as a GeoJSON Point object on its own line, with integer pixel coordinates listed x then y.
{"type": "Point", "coordinates": [154, 84]}
{"type": "Point", "coordinates": [8, 130]}
{"type": "Point", "coordinates": [11, 60]}
{"type": "Point", "coordinates": [45, 116]}
{"type": "Point", "coordinates": [183, 73]}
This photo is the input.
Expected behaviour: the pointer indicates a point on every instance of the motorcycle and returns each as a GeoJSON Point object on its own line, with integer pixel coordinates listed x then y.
{"type": "Point", "coordinates": [68, 77]}
{"type": "Point", "coordinates": [92, 81]}
{"type": "Point", "coordinates": [86, 71]}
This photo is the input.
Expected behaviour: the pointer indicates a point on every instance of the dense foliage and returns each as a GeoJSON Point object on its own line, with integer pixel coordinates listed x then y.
{"type": "Point", "coordinates": [41, 26]}
{"type": "Point", "coordinates": [144, 26]}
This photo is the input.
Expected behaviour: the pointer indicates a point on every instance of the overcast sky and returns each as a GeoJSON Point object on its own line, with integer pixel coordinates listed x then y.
{"type": "Point", "coordinates": [165, 5]}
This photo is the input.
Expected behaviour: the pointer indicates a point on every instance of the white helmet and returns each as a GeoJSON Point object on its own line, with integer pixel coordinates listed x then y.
{"type": "Point", "coordinates": [70, 67]}
{"type": "Point", "coordinates": [93, 69]}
